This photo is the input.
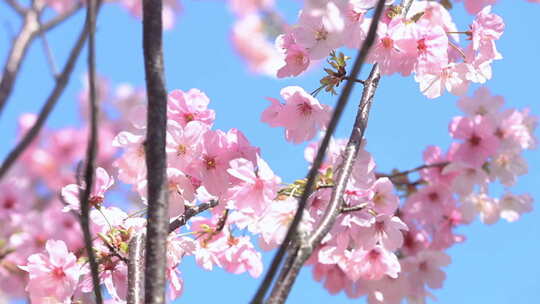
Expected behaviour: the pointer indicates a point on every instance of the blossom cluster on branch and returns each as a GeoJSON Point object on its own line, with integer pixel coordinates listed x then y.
{"type": "Point", "coordinates": [390, 238]}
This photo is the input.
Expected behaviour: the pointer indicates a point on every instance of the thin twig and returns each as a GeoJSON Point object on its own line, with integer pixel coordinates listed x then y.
{"type": "Point", "coordinates": [15, 5]}
{"type": "Point", "coordinates": [27, 34]}
{"type": "Point", "coordinates": [57, 91]}
{"type": "Point", "coordinates": [406, 5]}
{"type": "Point", "coordinates": [156, 158]}
{"type": "Point", "coordinates": [407, 172]}
{"type": "Point", "coordinates": [189, 213]}
{"type": "Point", "coordinates": [115, 252]}
{"type": "Point", "coordinates": [48, 52]}
{"type": "Point", "coordinates": [353, 208]}
{"type": "Point", "coordinates": [91, 150]}
{"type": "Point", "coordinates": [17, 53]}
{"type": "Point", "coordinates": [342, 102]}
{"type": "Point", "coordinates": [334, 208]}
{"type": "Point", "coordinates": [135, 272]}
{"type": "Point", "coordinates": [61, 18]}
{"type": "Point", "coordinates": [353, 79]}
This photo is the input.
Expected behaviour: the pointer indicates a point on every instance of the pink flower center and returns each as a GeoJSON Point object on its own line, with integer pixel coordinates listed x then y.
{"type": "Point", "coordinates": [304, 109]}
{"type": "Point", "coordinates": [58, 272]}
{"type": "Point", "coordinates": [300, 59]}
{"type": "Point", "coordinates": [321, 34]}
{"type": "Point", "coordinates": [180, 150]}
{"type": "Point", "coordinates": [433, 196]}
{"type": "Point", "coordinates": [67, 224]}
{"type": "Point", "coordinates": [422, 45]}
{"type": "Point", "coordinates": [374, 255]}
{"type": "Point", "coordinates": [9, 202]}
{"type": "Point", "coordinates": [96, 200]}
{"type": "Point", "coordinates": [210, 163]}
{"type": "Point", "coordinates": [423, 266]}
{"type": "Point", "coordinates": [387, 43]}
{"type": "Point", "coordinates": [189, 117]}
{"type": "Point", "coordinates": [475, 140]}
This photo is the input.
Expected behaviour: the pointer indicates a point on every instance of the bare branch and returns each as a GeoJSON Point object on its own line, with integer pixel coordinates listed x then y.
{"type": "Point", "coordinates": [135, 293]}
{"type": "Point", "coordinates": [17, 53]}
{"type": "Point", "coordinates": [342, 102]}
{"type": "Point", "coordinates": [24, 38]}
{"type": "Point", "coordinates": [406, 5]}
{"type": "Point", "coordinates": [57, 91]}
{"type": "Point", "coordinates": [407, 172]}
{"type": "Point", "coordinates": [61, 18]}
{"type": "Point", "coordinates": [353, 208]}
{"type": "Point", "coordinates": [48, 52]}
{"type": "Point", "coordinates": [335, 205]}
{"type": "Point", "coordinates": [156, 158]}
{"type": "Point", "coordinates": [91, 149]}
{"type": "Point", "coordinates": [15, 5]}
{"type": "Point", "coordinates": [189, 213]}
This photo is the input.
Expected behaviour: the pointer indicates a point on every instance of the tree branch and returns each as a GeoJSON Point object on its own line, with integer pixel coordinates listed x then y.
{"type": "Point", "coordinates": [406, 5]}
{"type": "Point", "coordinates": [48, 52]}
{"type": "Point", "coordinates": [15, 5]}
{"type": "Point", "coordinates": [61, 18]}
{"type": "Point", "coordinates": [135, 293]}
{"type": "Point", "coordinates": [335, 205]}
{"type": "Point", "coordinates": [57, 91]}
{"type": "Point", "coordinates": [407, 172]}
{"type": "Point", "coordinates": [189, 213]}
{"type": "Point", "coordinates": [19, 48]}
{"type": "Point", "coordinates": [91, 150]}
{"type": "Point", "coordinates": [156, 158]}
{"type": "Point", "coordinates": [342, 101]}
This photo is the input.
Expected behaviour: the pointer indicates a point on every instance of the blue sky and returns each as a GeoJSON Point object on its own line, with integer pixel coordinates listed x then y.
{"type": "Point", "coordinates": [497, 264]}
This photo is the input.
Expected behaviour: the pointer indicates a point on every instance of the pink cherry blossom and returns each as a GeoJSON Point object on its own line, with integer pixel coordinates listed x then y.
{"type": "Point", "coordinates": [479, 139]}
{"type": "Point", "coordinates": [257, 187]}
{"type": "Point", "coordinates": [320, 29]}
{"type": "Point", "coordinates": [513, 206]}
{"type": "Point", "coordinates": [302, 115]}
{"type": "Point", "coordinates": [482, 204]}
{"type": "Point", "coordinates": [386, 231]}
{"type": "Point", "coordinates": [296, 61]}
{"type": "Point", "coordinates": [53, 277]}
{"type": "Point", "coordinates": [385, 201]}
{"type": "Point", "coordinates": [482, 103]}
{"type": "Point", "coordinates": [192, 105]}
{"type": "Point", "coordinates": [372, 264]}
{"type": "Point", "coordinates": [71, 193]}
{"type": "Point", "coordinates": [424, 268]}
{"type": "Point", "coordinates": [251, 42]}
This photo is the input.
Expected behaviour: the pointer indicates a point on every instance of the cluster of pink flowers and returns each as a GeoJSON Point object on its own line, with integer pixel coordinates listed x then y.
{"type": "Point", "coordinates": [391, 251]}
{"type": "Point", "coordinates": [256, 25]}
{"type": "Point", "coordinates": [425, 44]}
{"type": "Point", "coordinates": [388, 244]}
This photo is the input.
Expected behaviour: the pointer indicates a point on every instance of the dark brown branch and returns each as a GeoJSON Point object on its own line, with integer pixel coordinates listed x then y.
{"type": "Point", "coordinates": [407, 172]}
{"type": "Point", "coordinates": [342, 102]}
{"type": "Point", "coordinates": [335, 205]}
{"type": "Point", "coordinates": [406, 5]}
{"type": "Point", "coordinates": [91, 150]}
{"type": "Point", "coordinates": [353, 79]}
{"type": "Point", "coordinates": [61, 18]}
{"type": "Point", "coordinates": [57, 91]}
{"type": "Point", "coordinates": [48, 52]}
{"type": "Point", "coordinates": [352, 208]}
{"type": "Point", "coordinates": [15, 5]}
{"type": "Point", "coordinates": [156, 158]}
{"type": "Point", "coordinates": [135, 293]}
{"type": "Point", "coordinates": [189, 213]}
{"type": "Point", "coordinates": [17, 53]}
